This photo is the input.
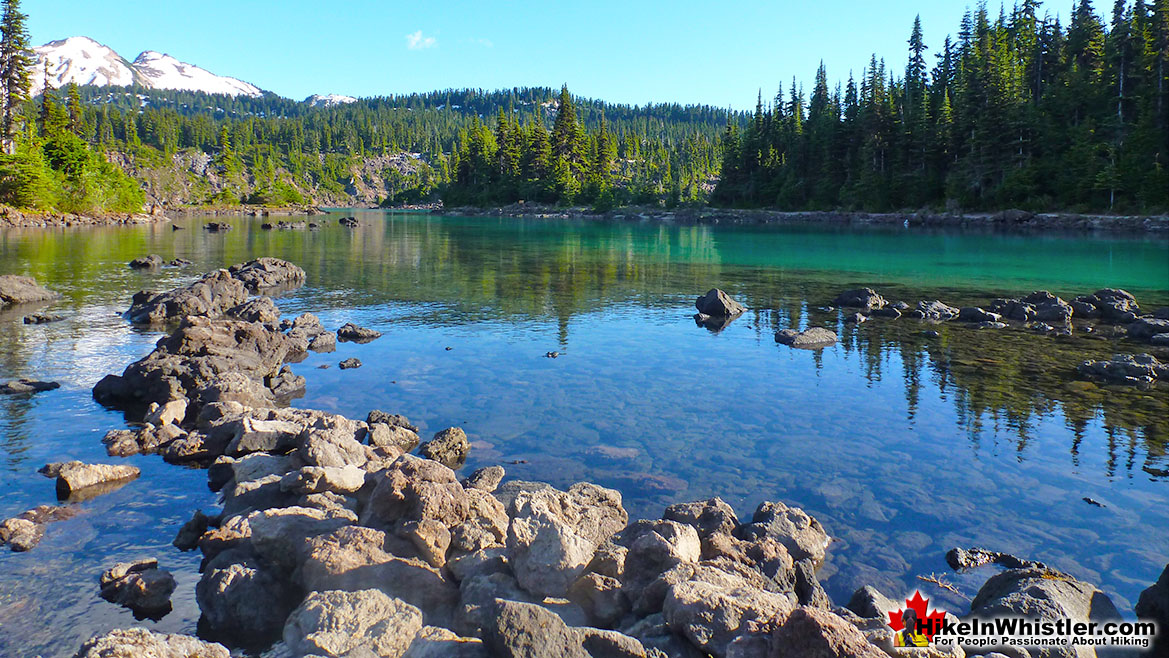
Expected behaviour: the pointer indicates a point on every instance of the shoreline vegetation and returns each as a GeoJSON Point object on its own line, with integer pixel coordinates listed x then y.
{"type": "Point", "coordinates": [335, 539]}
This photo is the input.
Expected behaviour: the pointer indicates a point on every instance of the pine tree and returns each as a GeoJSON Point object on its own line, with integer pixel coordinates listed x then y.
{"type": "Point", "coordinates": [16, 60]}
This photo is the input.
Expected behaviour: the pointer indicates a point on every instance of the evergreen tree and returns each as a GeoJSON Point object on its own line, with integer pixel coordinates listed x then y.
{"type": "Point", "coordinates": [16, 60]}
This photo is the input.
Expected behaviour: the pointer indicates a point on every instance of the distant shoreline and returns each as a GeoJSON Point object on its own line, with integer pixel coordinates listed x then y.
{"type": "Point", "coordinates": [23, 218]}
{"type": "Point", "coordinates": [1007, 220]}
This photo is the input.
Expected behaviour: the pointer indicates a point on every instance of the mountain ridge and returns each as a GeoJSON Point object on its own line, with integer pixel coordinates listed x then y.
{"type": "Point", "coordinates": [85, 61]}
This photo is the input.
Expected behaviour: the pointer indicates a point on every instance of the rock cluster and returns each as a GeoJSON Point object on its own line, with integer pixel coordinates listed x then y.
{"type": "Point", "coordinates": [1128, 369]}
{"type": "Point", "coordinates": [140, 586]}
{"type": "Point", "coordinates": [22, 533]}
{"type": "Point", "coordinates": [335, 541]}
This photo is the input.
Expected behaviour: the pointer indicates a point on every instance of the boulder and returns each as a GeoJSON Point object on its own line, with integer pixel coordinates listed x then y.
{"type": "Point", "coordinates": [350, 332]}
{"type": "Point", "coordinates": [188, 536]}
{"type": "Point", "coordinates": [936, 311]}
{"type": "Point", "coordinates": [22, 290]}
{"type": "Point", "coordinates": [73, 477]}
{"type": "Point", "coordinates": [21, 386]}
{"type": "Point", "coordinates": [414, 489]}
{"type": "Point", "coordinates": [449, 447]}
{"type": "Point", "coordinates": [655, 547]}
{"type": "Point", "coordinates": [553, 534]}
{"type": "Point", "coordinates": [266, 273]}
{"type": "Point", "coordinates": [430, 538]}
{"type": "Point", "coordinates": [316, 479]}
{"type": "Point", "coordinates": [601, 598]}
{"type": "Point", "coordinates": [339, 624]}
{"type": "Point", "coordinates": [802, 535]}
{"type": "Point", "coordinates": [141, 643]}
{"type": "Point", "coordinates": [485, 526]}
{"type": "Point", "coordinates": [42, 318]}
{"type": "Point", "coordinates": [1047, 595]}
{"type": "Point", "coordinates": [865, 298]}
{"type": "Point", "coordinates": [171, 413]}
{"type": "Point", "coordinates": [240, 596]}
{"type": "Point", "coordinates": [20, 534]}
{"type": "Point", "coordinates": [350, 363]}
{"type": "Point", "coordinates": [140, 586]}
{"type": "Point", "coordinates": [1146, 328]}
{"type": "Point", "coordinates": [711, 616]}
{"type": "Point", "coordinates": [1116, 305]}
{"type": "Point", "coordinates": [397, 437]}
{"type": "Point", "coordinates": [810, 339]}
{"type": "Point", "coordinates": [485, 479]}
{"type": "Point", "coordinates": [393, 420]}
{"type": "Point", "coordinates": [814, 633]}
{"type": "Point", "coordinates": [355, 558]}
{"type": "Point", "coordinates": [1154, 604]}
{"type": "Point", "coordinates": [708, 517]}
{"type": "Point", "coordinates": [281, 535]}
{"type": "Point", "coordinates": [477, 595]}
{"type": "Point", "coordinates": [869, 602]}
{"type": "Point", "coordinates": [976, 315]}
{"type": "Point", "coordinates": [151, 262]}
{"type": "Point", "coordinates": [718, 304]}
{"type": "Point", "coordinates": [525, 630]}
{"type": "Point", "coordinates": [601, 643]}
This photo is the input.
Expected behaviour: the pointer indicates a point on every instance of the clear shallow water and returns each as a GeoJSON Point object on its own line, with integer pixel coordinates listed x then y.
{"type": "Point", "coordinates": [902, 445]}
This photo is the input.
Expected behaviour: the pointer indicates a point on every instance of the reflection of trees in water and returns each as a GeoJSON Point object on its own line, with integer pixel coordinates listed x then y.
{"type": "Point", "coordinates": [15, 348]}
{"type": "Point", "coordinates": [1012, 379]}
{"type": "Point", "coordinates": [456, 271]}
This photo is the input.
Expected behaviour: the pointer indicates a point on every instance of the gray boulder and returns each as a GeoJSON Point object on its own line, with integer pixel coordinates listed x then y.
{"type": "Point", "coordinates": [809, 339]}
{"type": "Point", "coordinates": [717, 304]}
{"type": "Point", "coordinates": [815, 633]}
{"type": "Point", "coordinates": [976, 315]}
{"type": "Point", "coordinates": [1128, 369]}
{"type": "Point", "coordinates": [414, 489]}
{"type": "Point", "coordinates": [350, 332]}
{"type": "Point", "coordinates": [257, 309]}
{"type": "Point", "coordinates": [74, 477]}
{"type": "Point", "coordinates": [709, 517]}
{"type": "Point", "coordinates": [22, 386]}
{"type": "Point", "coordinates": [210, 296]}
{"type": "Point", "coordinates": [242, 597]}
{"type": "Point", "coordinates": [485, 479]}
{"type": "Point", "coordinates": [711, 616]}
{"type": "Point", "coordinates": [438, 642]}
{"type": "Point", "coordinates": [1146, 328]}
{"type": "Point", "coordinates": [865, 298]}
{"type": "Point", "coordinates": [936, 311]}
{"type": "Point", "coordinates": [151, 262]}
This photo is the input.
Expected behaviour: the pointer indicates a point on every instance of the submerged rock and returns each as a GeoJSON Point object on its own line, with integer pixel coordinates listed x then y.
{"type": "Point", "coordinates": [140, 586]}
{"type": "Point", "coordinates": [20, 386]}
{"type": "Point", "coordinates": [151, 262]}
{"type": "Point", "coordinates": [22, 290]}
{"type": "Point", "coordinates": [42, 318]}
{"type": "Point", "coordinates": [22, 533]}
{"type": "Point", "coordinates": [809, 339]}
{"type": "Point", "coordinates": [936, 311]}
{"type": "Point", "coordinates": [350, 363]}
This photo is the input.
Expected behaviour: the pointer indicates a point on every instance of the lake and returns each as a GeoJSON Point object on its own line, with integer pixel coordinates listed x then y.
{"type": "Point", "coordinates": [902, 444]}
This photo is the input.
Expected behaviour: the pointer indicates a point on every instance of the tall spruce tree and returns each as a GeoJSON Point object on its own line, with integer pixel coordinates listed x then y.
{"type": "Point", "coordinates": [16, 60]}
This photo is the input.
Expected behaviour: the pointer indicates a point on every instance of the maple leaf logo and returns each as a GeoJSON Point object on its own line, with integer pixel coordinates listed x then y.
{"type": "Point", "coordinates": [929, 622]}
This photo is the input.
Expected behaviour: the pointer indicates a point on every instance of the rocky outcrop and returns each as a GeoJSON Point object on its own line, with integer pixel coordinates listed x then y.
{"type": "Point", "coordinates": [717, 304]}
{"type": "Point", "coordinates": [266, 273]}
{"type": "Point", "coordinates": [210, 296]}
{"type": "Point", "coordinates": [808, 339]}
{"type": "Point", "coordinates": [22, 290]}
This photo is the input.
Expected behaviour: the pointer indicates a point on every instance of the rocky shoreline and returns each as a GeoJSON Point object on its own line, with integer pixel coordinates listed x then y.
{"type": "Point", "coordinates": [22, 218]}
{"type": "Point", "coordinates": [336, 539]}
{"type": "Point", "coordinates": [1007, 220]}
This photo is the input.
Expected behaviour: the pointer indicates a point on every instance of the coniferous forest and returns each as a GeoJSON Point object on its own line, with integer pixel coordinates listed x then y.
{"type": "Point", "coordinates": [1014, 110]}
{"type": "Point", "coordinates": [1017, 110]}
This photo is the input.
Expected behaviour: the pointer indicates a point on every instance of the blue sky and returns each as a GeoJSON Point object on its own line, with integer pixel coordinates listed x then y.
{"type": "Point", "coordinates": [623, 51]}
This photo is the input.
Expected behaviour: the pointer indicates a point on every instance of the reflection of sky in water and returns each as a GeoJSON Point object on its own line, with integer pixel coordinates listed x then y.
{"type": "Point", "coordinates": [903, 446]}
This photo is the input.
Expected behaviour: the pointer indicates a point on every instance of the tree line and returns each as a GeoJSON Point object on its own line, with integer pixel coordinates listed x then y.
{"type": "Point", "coordinates": [1017, 111]}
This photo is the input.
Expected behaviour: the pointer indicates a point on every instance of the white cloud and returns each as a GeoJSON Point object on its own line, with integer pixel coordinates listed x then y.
{"type": "Point", "coordinates": [417, 41]}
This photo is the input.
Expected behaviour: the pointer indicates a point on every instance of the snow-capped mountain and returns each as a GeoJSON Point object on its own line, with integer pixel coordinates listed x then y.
{"type": "Point", "coordinates": [329, 100]}
{"type": "Point", "coordinates": [87, 62]}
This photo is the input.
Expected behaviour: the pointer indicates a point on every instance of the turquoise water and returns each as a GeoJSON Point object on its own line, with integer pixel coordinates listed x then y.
{"type": "Point", "coordinates": [901, 444]}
